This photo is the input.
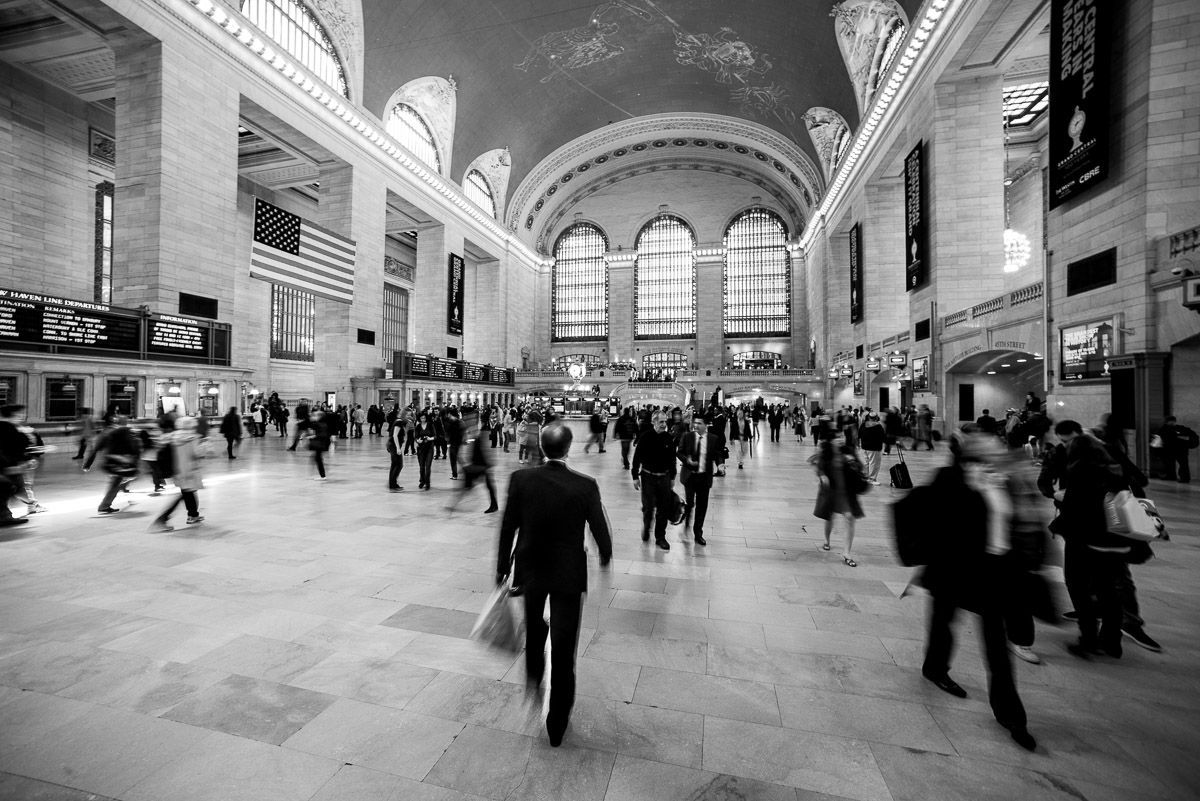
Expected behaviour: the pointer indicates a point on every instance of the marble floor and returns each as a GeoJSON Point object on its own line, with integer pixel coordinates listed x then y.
{"type": "Point", "coordinates": [310, 641]}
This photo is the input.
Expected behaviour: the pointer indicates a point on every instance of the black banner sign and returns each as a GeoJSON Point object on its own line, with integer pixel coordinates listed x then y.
{"type": "Point", "coordinates": [1079, 96]}
{"type": "Point", "coordinates": [916, 228]}
{"type": "Point", "coordinates": [455, 290]}
{"type": "Point", "coordinates": [856, 274]}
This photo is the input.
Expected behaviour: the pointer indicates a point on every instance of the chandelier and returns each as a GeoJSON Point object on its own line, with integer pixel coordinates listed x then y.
{"type": "Point", "coordinates": [1016, 244]}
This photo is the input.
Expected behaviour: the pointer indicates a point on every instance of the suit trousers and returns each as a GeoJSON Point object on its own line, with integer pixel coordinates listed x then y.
{"type": "Point", "coordinates": [566, 609]}
{"type": "Point", "coordinates": [656, 504]}
{"type": "Point", "coordinates": [394, 470]}
{"type": "Point", "coordinates": [696, 490]}
{"type": "Point", "coordinates": [1002, 689]}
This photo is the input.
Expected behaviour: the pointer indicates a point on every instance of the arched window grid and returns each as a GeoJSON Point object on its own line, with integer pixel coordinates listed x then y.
{"type": "Point", "coordinates": [757, 276]}
{"type": "Point", "coordinates": [664, 280]}
{"type": "Point", "coordinates": [758, 359]}
{"type": "Point", "coordinates": [579, 285]}
{"type": "Point", "coordinates": [407, 126]}
{"type": "Point", "coordinates": [479, 192]}
{"type": "Point", "coordinates": [665, 360]}
{"type": "Point", "coordinates": [581, 358]}
{"type": "Point", "coordinates": [292, 26]}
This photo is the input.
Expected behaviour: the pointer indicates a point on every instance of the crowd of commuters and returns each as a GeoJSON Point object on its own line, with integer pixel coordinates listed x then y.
{"type": "Point", "coordinates": [986, 545]}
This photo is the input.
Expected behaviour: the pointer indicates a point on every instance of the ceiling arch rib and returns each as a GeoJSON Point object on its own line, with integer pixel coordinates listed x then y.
{"type": "Point", "coordinates": [665, 141]}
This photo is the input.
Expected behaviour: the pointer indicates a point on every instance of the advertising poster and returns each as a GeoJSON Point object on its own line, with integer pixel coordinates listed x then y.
{"type": "Point", "coordinates": [455, 290]}
{"type": "Point", "coordinates": [920, 374]}
{"type": "Point", "coordinates": [1079, 102]}
{"type": "Point", "coordinates": [1086, 349]}
{"type": "Point", "coordinates": [916, 231]}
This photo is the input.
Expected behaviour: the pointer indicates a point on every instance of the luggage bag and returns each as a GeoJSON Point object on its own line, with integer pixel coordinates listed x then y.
{"type": "Point", "coordinates": [899, 471]}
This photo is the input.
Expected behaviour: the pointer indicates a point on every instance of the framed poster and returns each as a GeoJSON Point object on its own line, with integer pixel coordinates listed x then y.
{"type": "Point", "coordinates": [856, 274]}
{"type": "Point", "coordinates": [920, 373]}
{"type": "Point", "coordinates": [1079, 96]}
{"type": "Point", "coordinates": [455, 290]}
{"type": "Point", "coordinates": [858, 383]}
{"type": "Point", "coordinates": [916, 229]}
{"type": "Point", "coordinates": [1085, 350]}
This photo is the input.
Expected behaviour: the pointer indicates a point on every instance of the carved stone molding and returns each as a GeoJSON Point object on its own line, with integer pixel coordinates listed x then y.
{"type": "Point", "coordinates": [399, 269]}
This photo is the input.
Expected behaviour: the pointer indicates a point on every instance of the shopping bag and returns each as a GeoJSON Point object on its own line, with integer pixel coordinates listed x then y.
{"type": "Point", "coordinates": [1126, 517]}
{"type": "Point", "coordinates": [500, 624]}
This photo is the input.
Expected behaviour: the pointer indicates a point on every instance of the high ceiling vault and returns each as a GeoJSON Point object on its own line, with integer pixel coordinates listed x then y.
{"type": "Point", "coordinates": [539, 75]}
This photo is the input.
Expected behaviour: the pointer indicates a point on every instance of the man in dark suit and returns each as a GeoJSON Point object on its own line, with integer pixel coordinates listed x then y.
{"type": "Point", "coordinates": [548, 506]}
{"type": "Point", "coordinates": [699, 453]}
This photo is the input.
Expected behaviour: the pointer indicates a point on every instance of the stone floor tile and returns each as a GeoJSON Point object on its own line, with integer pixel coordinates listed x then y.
{"type": "Point", "coordinates": [820, 762]}
{"type": "Point", "coordinates": [432, 620]}
{"type": "Point", "coordinates": [773, 667]}
{"type": "Point", "coordinates": [22, 788]}
{"type": "Point", "coordinates": [263, 658]}
{"type": "Point", "coordinates": [636, 779]}
{"type": "Point", "coordinates": [247, 707]}
{"type": "Point", "coordinates": [236, 769]}
{"type": "Point", "coordinates": [104, 751]}
{"type": "Point", "coordinates": [653, 652]}
{"type": "Point", "coordinates": [354, 783]}
{"type": "Point", "coordinates": [388, 682]}
{"type": "Point", "coordinates": [878, 720]}
{"type": "Point", "coordinates": [480, 702]}
{"type": "Point", "coordinates": [143, 685]}
{"type": "Point", "coordinates": [708, 695]}
{"type": "Point", "coordinates": [389, 740]}
{"type": "Point", "coordinates": [485, 762]}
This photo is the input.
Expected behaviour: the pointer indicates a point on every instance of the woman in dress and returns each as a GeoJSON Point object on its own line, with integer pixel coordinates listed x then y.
{"type": "Point", "coordinates": [841, 477]}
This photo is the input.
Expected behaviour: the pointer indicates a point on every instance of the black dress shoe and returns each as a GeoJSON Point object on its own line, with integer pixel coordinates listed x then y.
{"type": "Point", "coordinates": [555, 732]}
{"type": "Point", "coordinates": [700, 540]}
{"type": "Point", "coordinates": [1022, 737]}
{"type": "Point", "coordinates": [948, 685]}
{"type": "Point", "coordinates": [14, 521]}
{"type": "Point", "coordinates": [663, 544]}
{"type": "Point", "coordinates": [645, 536]}
{"type": "Point", "coordinates": [491, 509]}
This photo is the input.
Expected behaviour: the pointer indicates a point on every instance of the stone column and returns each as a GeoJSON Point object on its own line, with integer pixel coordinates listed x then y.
{"type": "Point", "coordinates": [710, 308]}
{"type": "Point", "coordinates": [485, 332]}
{"type": "Point", "coordinates": [886, 306]}
{"type": "Point", "coordinates": [427, 315]}
{"type": "Point", "coordinates": [176, 179]}
{"type": "Point", "coordinates": [620, 305]}
{"type": "Point", "coordinates": [352, 204]}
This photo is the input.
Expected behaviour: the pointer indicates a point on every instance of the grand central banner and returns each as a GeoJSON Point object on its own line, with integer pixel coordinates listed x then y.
{"type": "Point", "coordinates": [1079, 96]}
{"type": "Point", "coordinates": [916, 226]}
{"type": "Point", "coordinates": [856, 274]}
{"type": "Point", "coordinates": [455, 290]}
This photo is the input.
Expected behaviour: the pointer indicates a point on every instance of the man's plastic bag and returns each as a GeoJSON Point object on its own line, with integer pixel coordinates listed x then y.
{"type": "Point", "coordinates": [501, 624]}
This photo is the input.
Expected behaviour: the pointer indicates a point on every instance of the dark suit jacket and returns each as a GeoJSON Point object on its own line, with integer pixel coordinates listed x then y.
{"type": "Point", "coordinates": [713, 456]}
{"type": "Point", "coordinates": [548, 506]}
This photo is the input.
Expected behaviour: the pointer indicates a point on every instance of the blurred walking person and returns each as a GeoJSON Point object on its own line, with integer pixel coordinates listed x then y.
{"type": "Point", "coordinates": [179, 454]}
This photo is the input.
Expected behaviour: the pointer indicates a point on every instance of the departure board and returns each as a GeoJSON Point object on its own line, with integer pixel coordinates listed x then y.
{"type": "Point", "coordinates": [43, 320]}
{"type": "Point", "coordinates": [177, 335]}
{"type": "Point", "coordinates": [415, 366]}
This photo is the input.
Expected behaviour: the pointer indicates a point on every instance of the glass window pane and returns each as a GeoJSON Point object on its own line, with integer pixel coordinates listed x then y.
{"type": "Point", "coordinates": [406, 125]}
{"type": "Point", "coordinates": [293, 324]}
{"type": "Point", "coordinates": [757, 281]}
{"type": "Point", "coordinates": [476, 188]}
{"type": "Point", "coordinates": [664, 280]}
{"type": "Point", "coordinates": [579, 284]}
{"type": "Point", "coordinates": [293, 27]}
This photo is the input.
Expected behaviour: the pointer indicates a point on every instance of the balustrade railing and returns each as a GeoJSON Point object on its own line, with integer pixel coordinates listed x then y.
{"type": "Point", "coordinates": [1017, 297]}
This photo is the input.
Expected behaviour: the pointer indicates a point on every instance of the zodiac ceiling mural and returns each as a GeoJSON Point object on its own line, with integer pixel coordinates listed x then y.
{"type": "Point", "coordinates": [869, 32]}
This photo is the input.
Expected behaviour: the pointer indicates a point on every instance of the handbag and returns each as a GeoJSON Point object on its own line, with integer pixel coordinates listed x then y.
{"type": "Point", "coordinates": [500, 625]}
{"type": "Point", "coordinates": [1125, 517]}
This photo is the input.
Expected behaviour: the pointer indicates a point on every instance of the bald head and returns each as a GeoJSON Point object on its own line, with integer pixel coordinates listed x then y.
{"type": "Point", "coordinates": [556, 440]}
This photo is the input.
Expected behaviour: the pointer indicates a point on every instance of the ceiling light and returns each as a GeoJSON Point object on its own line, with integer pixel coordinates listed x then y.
{"type": "Point", "coordinates": [1006, 365]}
{"type": "Point", "coordinates": [1022, 361]}
{"type": "Point", "coordinates": [991, 372]}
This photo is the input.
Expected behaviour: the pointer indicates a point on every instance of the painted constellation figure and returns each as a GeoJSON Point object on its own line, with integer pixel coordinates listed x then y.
{"type": "Point", "coordinates": [581, 46]}
{"type": "Point", "coordinates": [765, 101]}
{"type": "Point", "coordinates": [724, 54]}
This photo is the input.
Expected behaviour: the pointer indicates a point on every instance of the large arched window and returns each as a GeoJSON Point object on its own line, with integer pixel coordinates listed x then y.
{"type": "Point", "coordinates": [293, 27]}
{"type": "Point", "coordinates": [476, 188]}
{"type": "Point", "coordinates": [579, 284]}
{"type": "Point", "coordinates": [758, 297]}
{"type": "Point", "coordinates": [664, 280]}
{"type": "Point", "coordinates": [406, 125]}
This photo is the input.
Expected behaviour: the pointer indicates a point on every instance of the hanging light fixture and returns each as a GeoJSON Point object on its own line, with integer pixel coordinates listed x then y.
{"type": "Point", "coordinates": [1016, 244]}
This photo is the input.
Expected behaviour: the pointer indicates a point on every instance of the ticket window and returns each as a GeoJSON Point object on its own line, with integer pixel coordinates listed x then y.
{"type": "Point", "coordinates": [170, 398]}
{"type": "Point", "coordinates": [209, 402]}
{"type": "Point", "coordinates": [8, 389]}
{"type": "Point", "coordinates": [416, 399]}
{"type": "Point", "coordinates": [63, 398]}
{"type": "Point", "coordinates": [121, 398]}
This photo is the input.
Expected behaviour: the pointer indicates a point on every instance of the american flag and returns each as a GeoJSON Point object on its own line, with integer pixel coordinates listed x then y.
{"type": "Point", "coordinates": [292, 251]}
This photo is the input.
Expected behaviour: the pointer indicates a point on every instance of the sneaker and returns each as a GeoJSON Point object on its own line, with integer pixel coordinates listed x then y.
{"type": "Point", "coordinates": [319, 478]}
{"type": "Point", "coordinates": [1139, 636]}
{"type": "Point", "coordinates": [161, 526]}
{"type": "Point", "coordinates": [37, 507]}
{"type": "Point", "coordinates": [111, 510]}
{"type": "Point", "coordinates": [396, 489]}
{"type": "Point", "coordinates": [1024, 653]}
{"type": "Point", "coordinates": [874, 482]}
{"type": "Point", "coordinates": [196, 519]}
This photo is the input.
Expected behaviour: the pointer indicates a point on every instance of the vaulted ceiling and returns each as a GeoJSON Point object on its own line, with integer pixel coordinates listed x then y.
{"type": "Point", "coordinates": [566, 84]}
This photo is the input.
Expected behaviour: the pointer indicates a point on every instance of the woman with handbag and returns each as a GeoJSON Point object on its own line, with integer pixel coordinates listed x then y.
{"type": "Point", "coordinates": [842, 481]}
{"type": "Point", "coordinates": [424, 436]}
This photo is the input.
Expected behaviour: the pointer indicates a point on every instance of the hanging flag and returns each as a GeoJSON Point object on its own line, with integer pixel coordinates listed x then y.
{"type": "Point", "coordinates": [292, 251]}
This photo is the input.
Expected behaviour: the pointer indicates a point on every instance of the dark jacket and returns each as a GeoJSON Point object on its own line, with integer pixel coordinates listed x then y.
{"type": "Point", "coordinates": [1091, 472]}
{"type": "Point", "coordinates": [958, 537]}
{"type": "Point", "coordinates": [231, 426]}
{"type": "Point", "coordinates": [689, 450]}
{"type": "Point", "coordinates": [870, 436]}
{"type": "Point", "coordinates": [655, 453]}
{"type": "Point", "coordinates": [545, 512]}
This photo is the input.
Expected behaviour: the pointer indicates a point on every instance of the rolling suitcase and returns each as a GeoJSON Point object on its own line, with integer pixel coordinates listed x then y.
{"type": "Point", "coordinates": [899, 471]}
